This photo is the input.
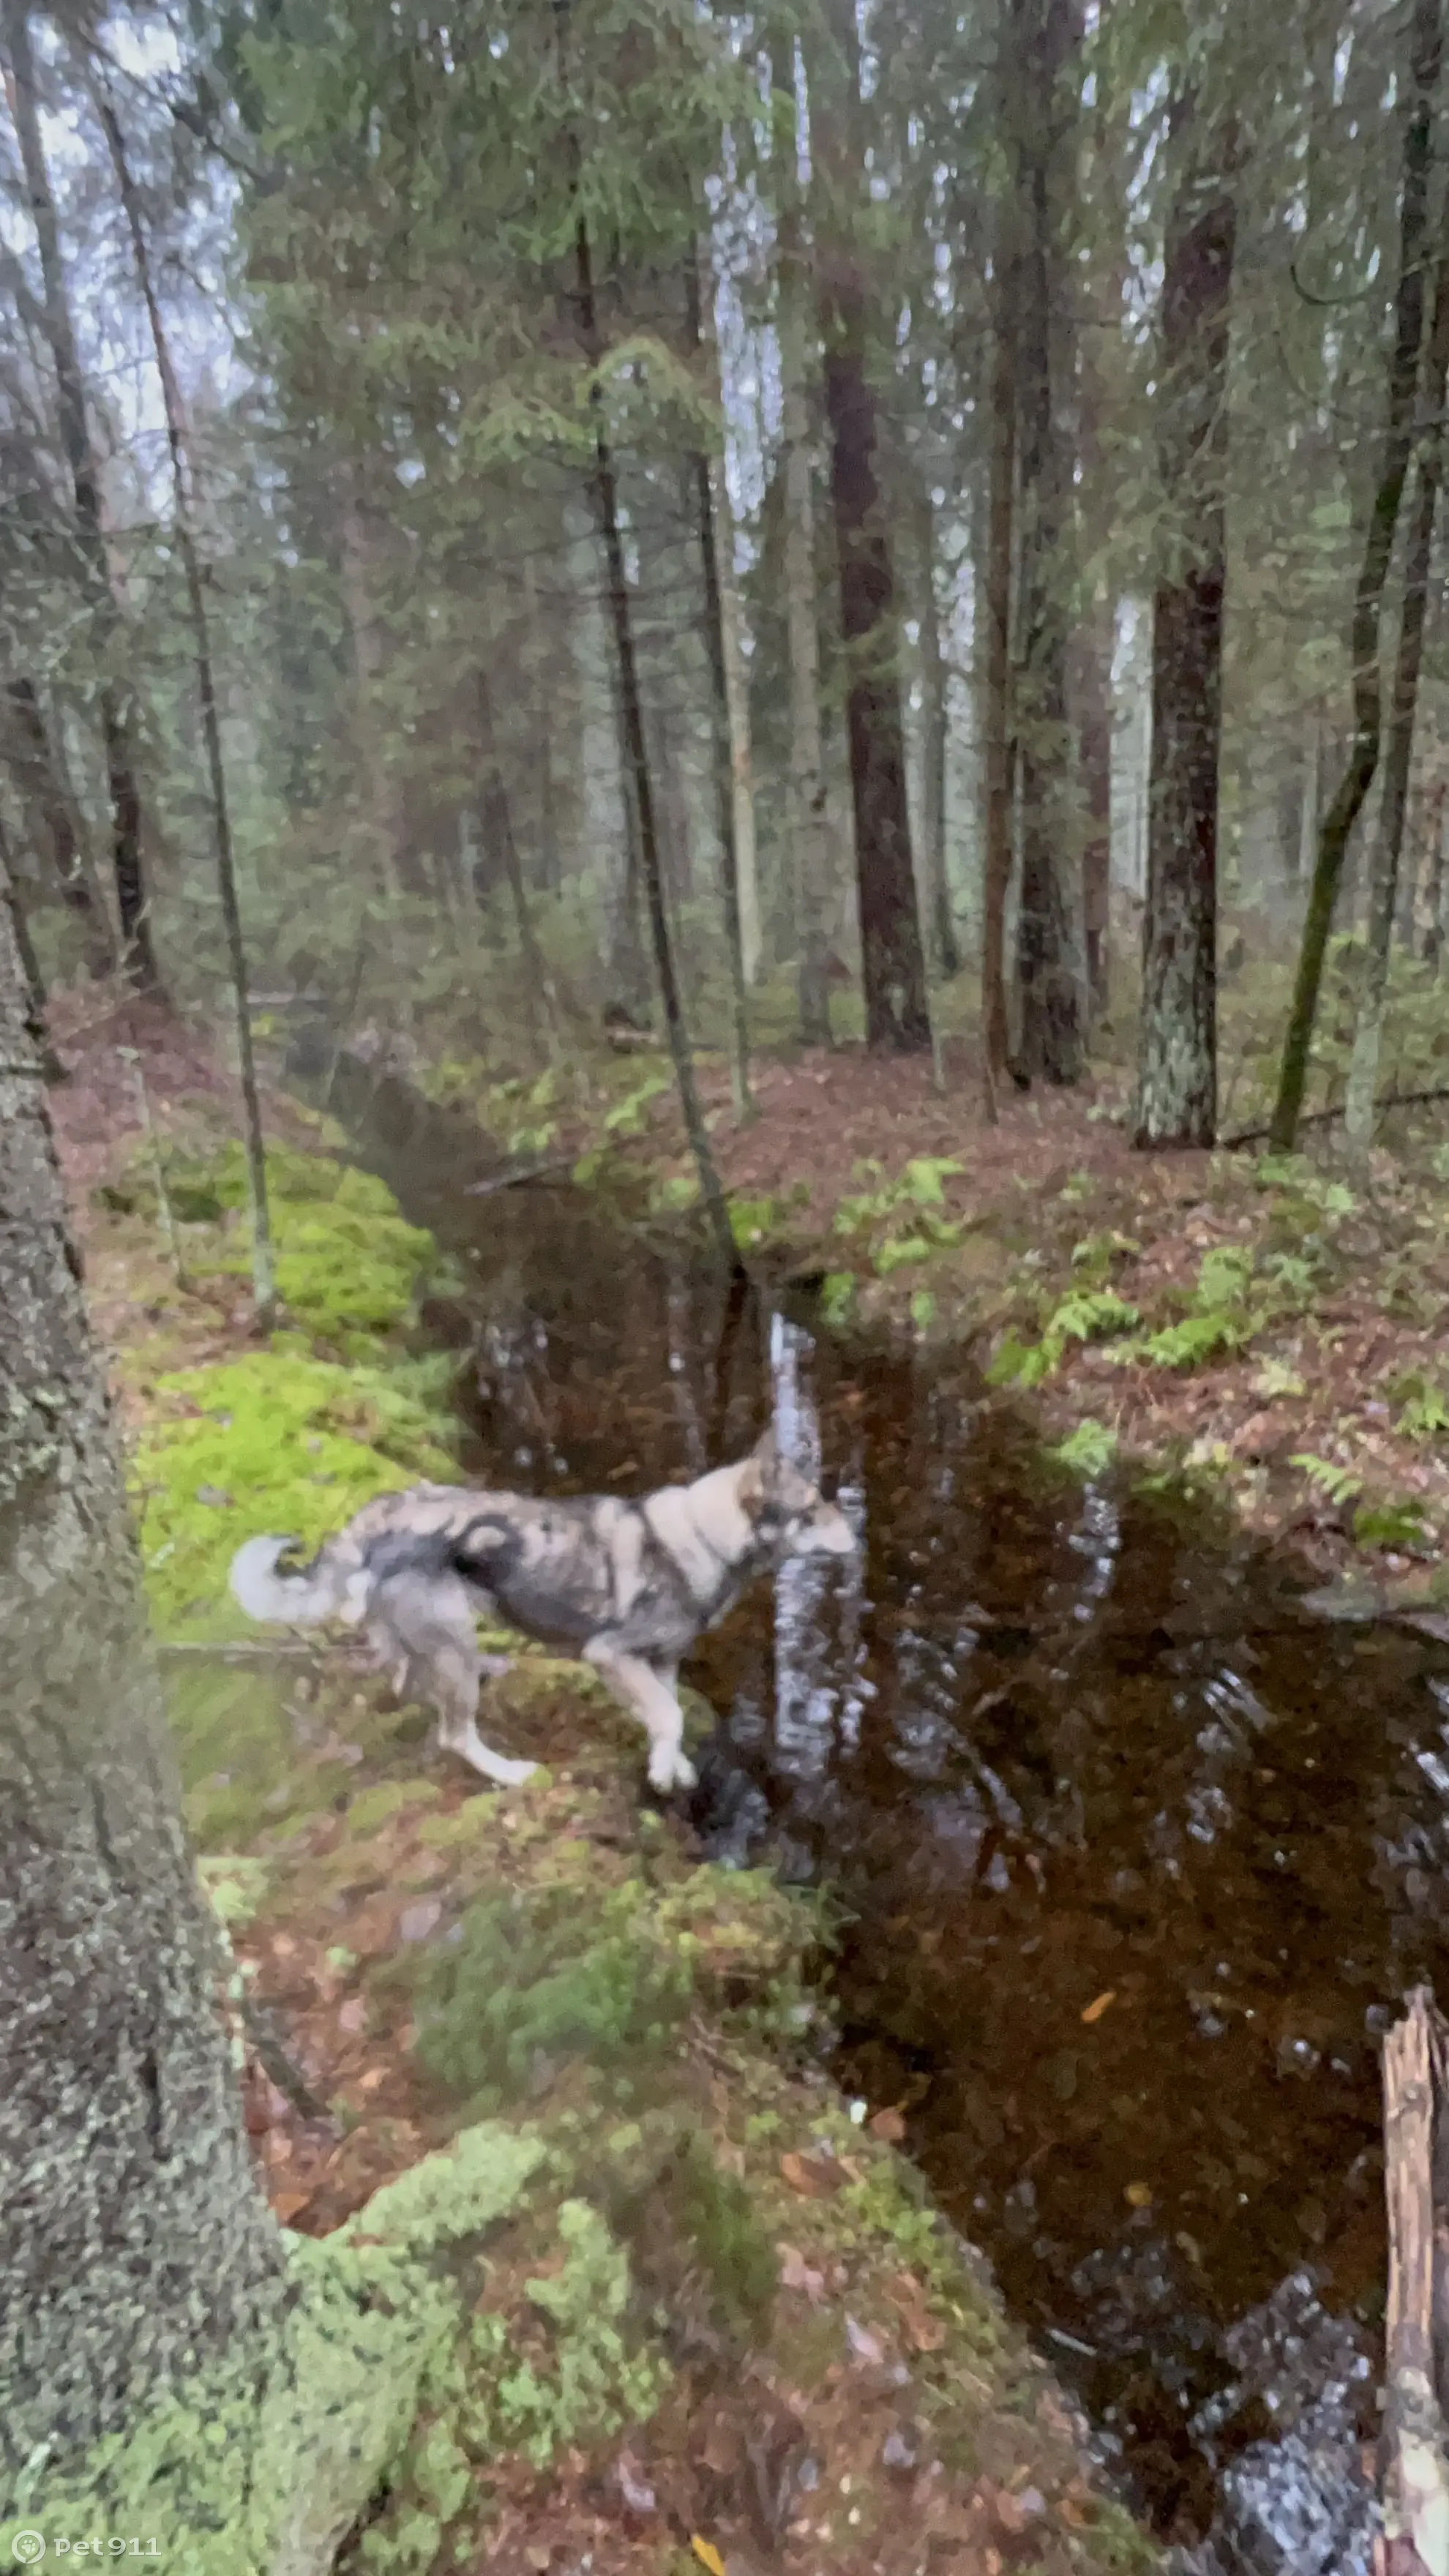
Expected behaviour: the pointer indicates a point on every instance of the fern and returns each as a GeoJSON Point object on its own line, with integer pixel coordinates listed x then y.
{"type": "Point", "coordinates": [1423, 1410]}
{"type": "Point", "coordinates": [1089, 1450]}
{"type": "Point", "coordinates": [1389, 1525]}
{"type": "Point", "coordinates": [1339, 1484]}
{"type": "Point", "coordinates": [1193, 1341]}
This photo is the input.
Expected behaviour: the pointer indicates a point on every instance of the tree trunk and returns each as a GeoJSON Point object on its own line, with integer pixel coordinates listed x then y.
{"type": "Point", "coordinates": [48, 807]}
{"type": "Point", "coordinates": [139, 2251]}
{"type": "Point", "coordinates": [385, 829]}
{"type": "Point", "coordinates": [606, 501]}
{"type": "Point", "coordinates": [897, 1017]}
{"type": "Point", "coordinates": [1051, 1013]}
{"type": "Point", "coordinates": [1425, 53]}
{"type": "Point", "coordinates": [1092, 705]}
{"type": "Point", "coordinates": [1437, 802]}
{"type": "Point", "coordinates": [138, 955]}
{"type": "Point", "coordinates": [497, 817]}
{"type": "Point", "coordinates": [1177, 1050]}
{"type": "Point", "coordinates": [997, 590]}
{"type": "Point", "coordinates": [52, 1069]}
{"type": "Point", "coordinates": [264, 1272]}
{"type": "Point", "coordinates": [809, 823]}
{"type": "Point", "coordinates": [1363, 1072]}
{"type": "Point", "coordinates": [933, 763]}
{"type": "Point", "coordinates": [708, 481]}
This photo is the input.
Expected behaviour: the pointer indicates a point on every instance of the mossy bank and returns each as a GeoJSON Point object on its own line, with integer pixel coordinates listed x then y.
{"type": "Point", "coordinates": [589, 2254]}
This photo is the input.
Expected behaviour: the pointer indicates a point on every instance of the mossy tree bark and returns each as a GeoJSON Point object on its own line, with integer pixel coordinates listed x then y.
{"type": "Point", "coordinates": [1177, 1082]}
{"type": "Point", "coordinates": [997, 602]}
{"type": "Point", "coordinates": [1425, 58]}
{"type": "Point", "coordinates": [136, 2249]}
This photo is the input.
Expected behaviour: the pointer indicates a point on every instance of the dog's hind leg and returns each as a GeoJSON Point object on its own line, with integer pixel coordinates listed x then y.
{"type": "Point", "coordinates": [431, 1622]}
{"type": "Point", "coordinates": [648, 1697]}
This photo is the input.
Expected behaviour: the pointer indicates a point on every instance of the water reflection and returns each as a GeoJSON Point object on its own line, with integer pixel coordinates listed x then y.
{"type": "Point", "coordinates": [1138, 1862]}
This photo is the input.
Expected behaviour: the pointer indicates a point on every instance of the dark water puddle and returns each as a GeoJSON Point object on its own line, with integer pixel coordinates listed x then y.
{"type": "Point", "coordinates": [1138, 1861]}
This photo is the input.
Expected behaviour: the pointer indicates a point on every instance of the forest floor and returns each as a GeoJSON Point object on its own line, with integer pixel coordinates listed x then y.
{"type": "Point", "coordinates": [723, 2328]}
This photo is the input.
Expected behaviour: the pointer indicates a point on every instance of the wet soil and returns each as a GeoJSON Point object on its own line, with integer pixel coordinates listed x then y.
{"type": "Point", "coordinates": [1135, 1860]}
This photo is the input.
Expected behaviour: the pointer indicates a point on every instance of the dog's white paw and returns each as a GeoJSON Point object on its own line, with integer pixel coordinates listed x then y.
{"type": "Point", "coordinates": [511, 1775]}
{"type": "Point", "coordinates": [669, 1769]}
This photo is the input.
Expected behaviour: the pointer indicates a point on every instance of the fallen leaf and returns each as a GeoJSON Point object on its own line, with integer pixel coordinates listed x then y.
{"type": "Point", "coordinates": [1138, 2195]}
{"type": "Point", "coordinates": [287, 2203]}
{"type": "Point", "coordinates": [417, 1921]}
{"type": "Point", "coordinates": [796, 2274]}
{"type": "Point", "coordinates": [864, 2345]}
{"type": "Point", "coordinates": [369, 2082]}
{"type": "Point", "coordinates": [889, 2124]}
{"type": "Point", "coordinates": [707, 2554]}
{"type": "Point", "coordinates": [815, 2176]}
{"type": "Point", "coordinates": [1095, 2010]}
{"type": "Point", "coordinates": [353, 2016]}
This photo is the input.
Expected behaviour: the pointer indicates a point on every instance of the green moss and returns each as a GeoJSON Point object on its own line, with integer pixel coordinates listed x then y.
{"type": "Point", "coordinates": [278, 1440]}
{"type": "Point", "coordinates": [387, 1798]}
{"type": "Point", "coordinates": [542, 1975]}
{"type": "Point", "coordinates": [349, 1267]}
{"type": "Point", "coordinates": [231, 2483]}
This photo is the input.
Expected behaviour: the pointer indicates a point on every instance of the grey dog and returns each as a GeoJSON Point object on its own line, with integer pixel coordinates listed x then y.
{"type": "Point", "coordinates": [626, 1586]}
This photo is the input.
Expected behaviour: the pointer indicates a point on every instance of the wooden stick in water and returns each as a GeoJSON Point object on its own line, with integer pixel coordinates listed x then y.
{"type": "Point", "coordinates": [1415, 2536]}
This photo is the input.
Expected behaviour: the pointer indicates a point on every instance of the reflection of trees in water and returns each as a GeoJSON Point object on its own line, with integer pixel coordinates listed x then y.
{"type": "Point", "coordinates": [820, 1690]}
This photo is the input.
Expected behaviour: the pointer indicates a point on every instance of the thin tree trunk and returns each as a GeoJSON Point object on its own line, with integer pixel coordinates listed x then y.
{"type": "Point", "coordinates": [897, 1015]}
{"type": "Point", "coordinates": [264, 1271]}
{"type": "Point", "coordinates": [809, 821]}
{"type": "Point", "coordinates": [550, 871]}
{"type": "Point", "coordinates": [933, 764]}
{"type": "Point", "coordinates": [1051, 1013]}
{"type": "Point", "coordinates": [1437, 803]}
{"type": "Point", "coordinates": [43, 795]}
{"type": "Point", "coordinates": [138, 955]}
{"type": "Point", "coordinates": [606, 500]}
{"type": "Point", "coordinates": [384, 828]}
{"type": "Point", "coordinates": [708, 480]}
{"type": "Point", "coordinates": [1425, 53]}
{"type": "Point", "coordinates": [1363, 1071]}
{"type": "Point", "coordinates": [1177, 1050]}
{"type": "Point", "coordinates": [742, 758]}
{"type": "Point", "coordinates": [146, 2254]}
{"type": "Point", "coordinates": [997, 605]}
{"type": "Point", "coordinates": [498, 812]}
{"type": "Point", "coordinates": [1092, 701]}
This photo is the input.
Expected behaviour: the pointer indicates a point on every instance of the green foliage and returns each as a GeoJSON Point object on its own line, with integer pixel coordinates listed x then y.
{"type": "Point", "coordinates": [1098, 1255]}
{"type": "Point", "coordinates": [628, 1116]}
{"type": "Point", "coordinates": [753, 1221]}
{"type": "Point", "coordinates": [899, 1251]}
{"type": "Point", "coordinates": [587, 2383]}
{"type": "Point", "coordinates": [348, 1266]}
{"type": "Point", "coordinates": [541, 1976]}
{"type": "Point", "coordinates": [1086, 1315]}
{"type": "Point", "coordinates": [1389, 1524]}
{"type": "Point", "coordinates": [1423, 1408]}
{"type": "Point", "coordinates": [1194, 1341]}
{"type": "Point", "coordinates": [923, 1309]}
{"type": "Point", "coordinates": [918, 1186]}
{"type": "Point", "coordinates": [1338, 1484]}
{"type": "Point", "coordinates": [1089, 1450]}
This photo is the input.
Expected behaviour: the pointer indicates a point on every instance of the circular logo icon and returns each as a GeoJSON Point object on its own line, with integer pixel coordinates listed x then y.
{"type": "Point", "coordinates": [27, 2546]}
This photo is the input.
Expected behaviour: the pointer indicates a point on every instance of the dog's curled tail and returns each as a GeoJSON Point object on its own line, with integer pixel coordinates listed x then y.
{"type": "Point", "coordinates": [302, 1598]}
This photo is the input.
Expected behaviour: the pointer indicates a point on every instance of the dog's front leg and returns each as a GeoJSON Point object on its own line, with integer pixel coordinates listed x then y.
{"type": "Point", "coordinates": [650, 1699]}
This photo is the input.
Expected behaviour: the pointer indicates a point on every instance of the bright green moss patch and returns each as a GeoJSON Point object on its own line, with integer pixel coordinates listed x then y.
{"type": "Point", "coordinates": [349, 1267]}
{"type": "Point", "coordinates": [277, 1440]}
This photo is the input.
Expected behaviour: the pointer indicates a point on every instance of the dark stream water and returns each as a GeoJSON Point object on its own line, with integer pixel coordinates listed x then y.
{"type": "Point", "coordinates": [1138, 1860]}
